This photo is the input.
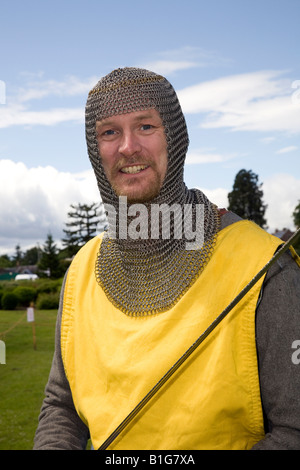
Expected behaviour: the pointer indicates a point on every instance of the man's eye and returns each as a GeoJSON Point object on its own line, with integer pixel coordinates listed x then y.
{"type": "Point", "coordinates": [109, 132]}
{"type": "Point", "coordinates": [146, 127]}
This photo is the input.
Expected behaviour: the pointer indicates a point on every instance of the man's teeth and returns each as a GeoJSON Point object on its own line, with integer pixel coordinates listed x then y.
{"type": "Point", "coordinates": [133, 169]}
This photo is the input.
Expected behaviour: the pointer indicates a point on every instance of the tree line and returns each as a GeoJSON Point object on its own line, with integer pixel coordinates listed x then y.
{"type": "Point", "coordinates": [86, 220]}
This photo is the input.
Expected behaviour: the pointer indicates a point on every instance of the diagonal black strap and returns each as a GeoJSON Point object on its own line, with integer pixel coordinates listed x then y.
{"type": "Point", "coordinates": [195, 345]}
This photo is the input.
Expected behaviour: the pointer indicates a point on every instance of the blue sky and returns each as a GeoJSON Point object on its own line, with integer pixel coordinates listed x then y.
{"type": "Point", "coordinates": [235, 65]}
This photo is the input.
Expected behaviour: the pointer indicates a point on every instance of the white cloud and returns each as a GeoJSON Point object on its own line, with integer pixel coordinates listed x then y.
{"type": "Point", "coordinates": [281, 194]}
{"type": "Point", "coordinates": [291, 148]}
{"type": "Point", "coordinates": [267, 140]}
{"type": "Point", "coordinates": [17, 111]}
{"type": "Point", "coordinates": [18, 115]}
{"type": "Point", "coordinates": [182, 59]}
{"type": "Point", "coordinates": [167, 67]}
{"type": "Point", "coordinates": [35, 201]}
{"type": "Point", "coordinates": [71, 86]}
{"type": "Point", "coordinates": [217, 196]}
{"type": "Point", "coordinates": [207, 156]}
{"type": "Point", "coordinates": [259, 101]}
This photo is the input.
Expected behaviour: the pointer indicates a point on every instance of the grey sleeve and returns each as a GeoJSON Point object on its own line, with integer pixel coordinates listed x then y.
{"type": "Point", "coordinates": [60, 427]}
{"type": "Point", "coordinates": [277, 332]}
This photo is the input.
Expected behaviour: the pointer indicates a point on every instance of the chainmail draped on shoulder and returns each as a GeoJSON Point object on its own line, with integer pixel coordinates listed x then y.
{"type": "Point", "coordinates": [148, 276]}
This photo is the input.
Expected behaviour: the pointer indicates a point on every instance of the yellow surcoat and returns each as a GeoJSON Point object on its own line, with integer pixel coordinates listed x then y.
{"type": "Point", "coordinates": [112, 360]}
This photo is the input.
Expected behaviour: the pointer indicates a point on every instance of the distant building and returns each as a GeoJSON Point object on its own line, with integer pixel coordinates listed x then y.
{"type": "Point", "coordinates": [283, 234]}
{"type": "Point", "coordinates": [6, 274]}
{"type": "Point", "coordinates": [18, 273]}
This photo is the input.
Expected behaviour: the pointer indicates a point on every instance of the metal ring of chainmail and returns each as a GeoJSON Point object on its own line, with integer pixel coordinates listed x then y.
{"type": "Point", "coordinates": [147, 276]}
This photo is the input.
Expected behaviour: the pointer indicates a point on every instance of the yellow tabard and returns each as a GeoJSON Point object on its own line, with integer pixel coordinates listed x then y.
{"type": "Point", "coordinates": [112, 360]}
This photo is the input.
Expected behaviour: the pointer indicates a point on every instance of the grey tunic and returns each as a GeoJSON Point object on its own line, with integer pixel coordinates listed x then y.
{"type": "Point", "coordinates": [277, 328]}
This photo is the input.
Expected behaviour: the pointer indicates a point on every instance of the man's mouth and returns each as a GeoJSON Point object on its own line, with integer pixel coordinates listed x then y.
{"type": "Point", "coordinates": [133, 169]}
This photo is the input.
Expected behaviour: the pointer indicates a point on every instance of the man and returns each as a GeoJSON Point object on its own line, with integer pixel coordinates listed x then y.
{"type": "Point", "coordinates": [136, 298]}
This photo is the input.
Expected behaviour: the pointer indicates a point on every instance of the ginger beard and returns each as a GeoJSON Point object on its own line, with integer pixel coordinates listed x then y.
{"type": "Point", "coordinates": [139, 182]}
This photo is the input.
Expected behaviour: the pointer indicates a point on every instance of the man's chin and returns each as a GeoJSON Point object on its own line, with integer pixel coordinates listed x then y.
{"type": "Point", "coordinates": [133, 199]}
{"type": "Point", "coordinates": [136, 197]}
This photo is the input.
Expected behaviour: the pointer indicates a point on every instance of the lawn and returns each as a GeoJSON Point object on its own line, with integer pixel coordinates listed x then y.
{"type": "Point", "coordinates": [24, 376]}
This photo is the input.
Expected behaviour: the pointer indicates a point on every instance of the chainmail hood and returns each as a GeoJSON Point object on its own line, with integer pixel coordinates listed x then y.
{"type": "Point", "coordinates": [147, 276]}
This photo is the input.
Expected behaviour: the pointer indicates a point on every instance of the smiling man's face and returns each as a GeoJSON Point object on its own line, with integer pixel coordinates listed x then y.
{"type": "Point", "coordinates": [133, 151]}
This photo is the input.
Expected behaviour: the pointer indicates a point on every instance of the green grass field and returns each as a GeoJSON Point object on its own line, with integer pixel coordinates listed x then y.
{"type": "Point", "coordinates": [24, 376]}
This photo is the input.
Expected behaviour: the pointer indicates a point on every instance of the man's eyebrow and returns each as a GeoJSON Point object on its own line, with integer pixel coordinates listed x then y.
{"type": "Point", "coordinates": [144, 116]}
{"type": "Point", "coordinates": [104, 122]}
{"type": "Point", "coordinates": [141, 117]}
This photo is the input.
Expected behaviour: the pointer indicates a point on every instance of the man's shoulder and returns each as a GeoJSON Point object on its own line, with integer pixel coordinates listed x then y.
{"type": "Point", "coordinates": [228, 218]}
{"type": "Point", "coordinates": [89, 248]}
{"type": "Point", "coordinates": [243, 231]}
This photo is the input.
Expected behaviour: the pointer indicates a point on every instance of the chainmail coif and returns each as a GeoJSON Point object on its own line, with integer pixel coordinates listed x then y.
{"type": "Point", "coordinates": [147, 276]}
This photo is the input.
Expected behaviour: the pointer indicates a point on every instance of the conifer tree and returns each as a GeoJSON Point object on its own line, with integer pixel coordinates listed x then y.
{"type": "Point", "coordinates": [49, 262]}
{"type": "Point", "coordinates": [17, 258]}
{"type": "Point", "coordinates": [296, 215]}
{"type": "Point", "coordinates": [85, 221]}
{"type": "Point", "coordinates": [296, 219]}
{"type": "Point", "coordinates": [245, 199]}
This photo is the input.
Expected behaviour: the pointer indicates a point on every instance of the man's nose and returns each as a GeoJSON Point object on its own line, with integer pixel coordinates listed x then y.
{"type": "Point", "coordinates": [129, 144]}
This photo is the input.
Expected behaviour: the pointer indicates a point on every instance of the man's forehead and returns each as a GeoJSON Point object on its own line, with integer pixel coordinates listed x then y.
{"type": "Point", "coordinates": [150, 113]}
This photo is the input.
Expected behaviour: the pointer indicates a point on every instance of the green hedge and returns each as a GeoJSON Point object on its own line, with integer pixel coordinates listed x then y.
{"type": "Point", "coordinates": [9, 301]}
{"type": "Point", "coordinates": [48, 301]}
{"type": "Point", "coordinates": [43, 292]}
{"type": "Point", "coordinates": [48, 286]}
{"type": "Point", "coordinates": [25, 295]}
